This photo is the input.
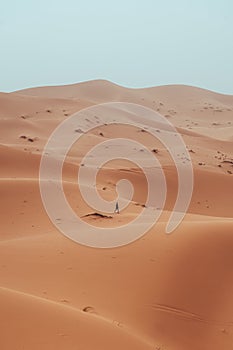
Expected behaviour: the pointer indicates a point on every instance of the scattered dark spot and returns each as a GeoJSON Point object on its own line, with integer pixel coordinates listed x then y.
{"type": "Point", "coordinates": [141, 205]}
{"type": "Point", "coordinates": [23, 137]}
{"type": "Point", "coordinates": [89, 309]}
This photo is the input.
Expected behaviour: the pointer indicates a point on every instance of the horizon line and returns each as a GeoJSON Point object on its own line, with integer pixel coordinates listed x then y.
{"type": "Point", "coordinates": [102, 80]}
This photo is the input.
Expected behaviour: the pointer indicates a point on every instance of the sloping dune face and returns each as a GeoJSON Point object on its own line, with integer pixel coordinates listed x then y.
{"type": "Point", "coordinates": [164, 292]}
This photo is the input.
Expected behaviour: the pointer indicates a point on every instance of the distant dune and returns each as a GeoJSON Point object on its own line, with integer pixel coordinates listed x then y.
{"type": "Point", "coordinates": [161, 292]}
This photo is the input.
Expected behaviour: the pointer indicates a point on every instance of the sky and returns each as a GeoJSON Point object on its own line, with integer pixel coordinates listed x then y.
{"type": "Point", "coordinates": [133, 43]}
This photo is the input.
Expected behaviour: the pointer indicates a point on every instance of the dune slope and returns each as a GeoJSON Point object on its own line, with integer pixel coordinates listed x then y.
{"type": "Point", "coordinates": [164, 292]}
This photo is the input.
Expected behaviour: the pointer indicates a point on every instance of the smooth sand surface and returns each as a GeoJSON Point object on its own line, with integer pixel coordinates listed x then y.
{"type": "Point", "coordinates": [162, 292]}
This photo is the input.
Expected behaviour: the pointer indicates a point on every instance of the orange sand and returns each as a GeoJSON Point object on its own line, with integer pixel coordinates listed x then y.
{"type": "Point", "coordinates": [164, 292]}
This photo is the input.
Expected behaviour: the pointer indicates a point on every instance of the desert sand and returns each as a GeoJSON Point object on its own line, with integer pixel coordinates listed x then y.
{"type": "Point", "coordinates": [162, 292]}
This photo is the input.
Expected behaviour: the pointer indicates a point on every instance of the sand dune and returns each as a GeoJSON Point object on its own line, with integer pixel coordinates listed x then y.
{"type": "Point", "coordinates": [65, 326]}
{"type": "Point", "coordinates": [162, 291]}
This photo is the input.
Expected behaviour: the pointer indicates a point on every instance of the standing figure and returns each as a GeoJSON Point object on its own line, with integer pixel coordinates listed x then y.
{"type": "Point", "coordinates": [117, 208]}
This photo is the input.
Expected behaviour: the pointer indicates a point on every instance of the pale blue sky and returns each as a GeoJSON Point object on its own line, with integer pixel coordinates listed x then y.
{"type": "Point", "coordinates": [132, 43]}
